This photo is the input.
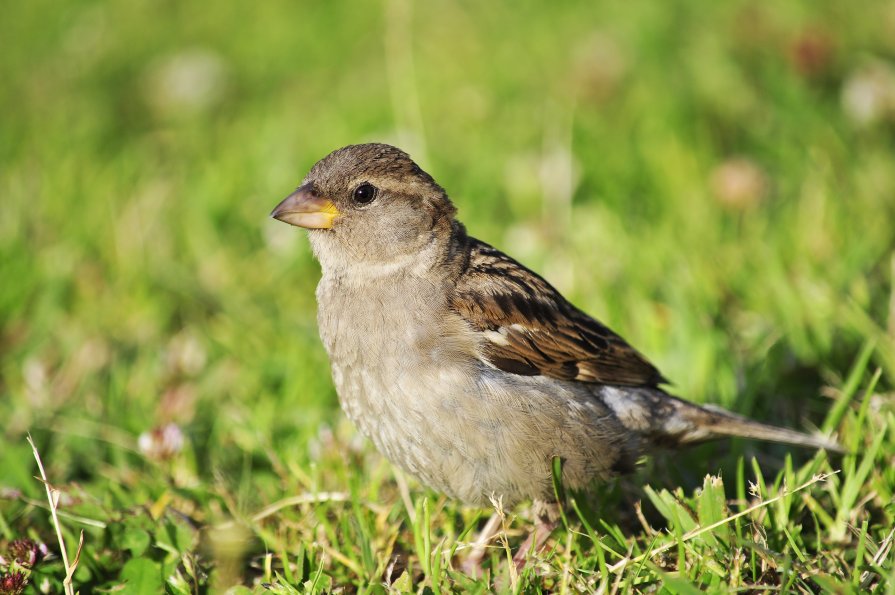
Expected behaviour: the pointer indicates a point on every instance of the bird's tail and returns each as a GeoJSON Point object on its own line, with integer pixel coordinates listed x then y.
{"type": "Point", "coordinates": [673, 422]}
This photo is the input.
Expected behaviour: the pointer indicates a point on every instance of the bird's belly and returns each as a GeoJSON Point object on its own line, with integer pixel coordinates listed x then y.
{"type": "Point", "coordinates": [477, 435]}
{"type": "Point", "coordinates": [413, 413]}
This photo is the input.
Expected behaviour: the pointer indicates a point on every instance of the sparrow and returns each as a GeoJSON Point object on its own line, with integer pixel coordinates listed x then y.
{"type": "Point", "coordinates": [465, 368]}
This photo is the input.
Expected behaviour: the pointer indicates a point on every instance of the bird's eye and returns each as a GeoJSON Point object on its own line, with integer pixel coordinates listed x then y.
{"type": "Point", "coordinates": [364, 194]}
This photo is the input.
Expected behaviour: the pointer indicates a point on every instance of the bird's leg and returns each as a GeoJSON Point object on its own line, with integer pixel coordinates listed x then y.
{"type": "Point", "coordinates": [472, 565]}
{"type": "Point", "coordinates": [546, 519]}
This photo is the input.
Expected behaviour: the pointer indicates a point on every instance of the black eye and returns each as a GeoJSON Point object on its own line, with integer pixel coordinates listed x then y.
{"type": "Point", "coordinates": [364, 194]}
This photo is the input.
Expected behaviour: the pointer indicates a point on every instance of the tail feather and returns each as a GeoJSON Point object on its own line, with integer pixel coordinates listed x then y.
{"type": "Point", "coordinates": [670, 421]}
{"type": "Point", "coordinates": [701, 423]}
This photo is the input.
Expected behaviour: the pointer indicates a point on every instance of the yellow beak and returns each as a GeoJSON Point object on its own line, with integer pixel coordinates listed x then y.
{"type": "Point", "coordinates": [305, 208]}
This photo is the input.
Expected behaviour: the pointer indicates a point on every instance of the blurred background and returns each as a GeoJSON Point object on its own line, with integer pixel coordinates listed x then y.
{"type": "Point", "coordinates": [714, 180]}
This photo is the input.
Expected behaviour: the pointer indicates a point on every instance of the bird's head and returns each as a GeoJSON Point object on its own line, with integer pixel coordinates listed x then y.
{"type": "Point", "coordinates": [368, 204]}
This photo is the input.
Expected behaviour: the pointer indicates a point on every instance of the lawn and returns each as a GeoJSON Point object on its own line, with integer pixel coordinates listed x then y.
{"type": "Point", "coordinates": [713, 180]}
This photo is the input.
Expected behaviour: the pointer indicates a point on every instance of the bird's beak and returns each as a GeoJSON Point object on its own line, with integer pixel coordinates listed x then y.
{"type": "Point", "coordinates": [305, 208]}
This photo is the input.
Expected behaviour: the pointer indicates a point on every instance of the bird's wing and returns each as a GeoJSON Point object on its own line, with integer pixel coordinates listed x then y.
{"type": "Point", "coordinates": [529, 328]}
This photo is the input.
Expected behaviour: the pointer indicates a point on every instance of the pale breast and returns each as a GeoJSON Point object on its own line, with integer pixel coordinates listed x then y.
{"type": "Point", "coordinates": [398, 367]}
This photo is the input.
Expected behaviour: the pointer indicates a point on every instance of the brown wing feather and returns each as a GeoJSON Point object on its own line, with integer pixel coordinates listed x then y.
{"type": "Point", "coordinates": [530, 329]}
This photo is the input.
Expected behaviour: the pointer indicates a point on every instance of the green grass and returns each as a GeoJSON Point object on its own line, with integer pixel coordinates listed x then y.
{"type": "Point", "coordinates": [142, 284]}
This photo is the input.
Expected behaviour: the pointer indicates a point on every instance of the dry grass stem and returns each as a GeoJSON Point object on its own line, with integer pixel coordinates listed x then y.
{"type": "Point", "coordinates": [620, 565]}
{"type": "Point", "coordinates": [298, 501]}
{"type": "Point", "coordinates": [53, 498]}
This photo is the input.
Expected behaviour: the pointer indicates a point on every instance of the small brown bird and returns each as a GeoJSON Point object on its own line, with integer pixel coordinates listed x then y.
{"type": "Point", "coordinates": [466, 369]}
